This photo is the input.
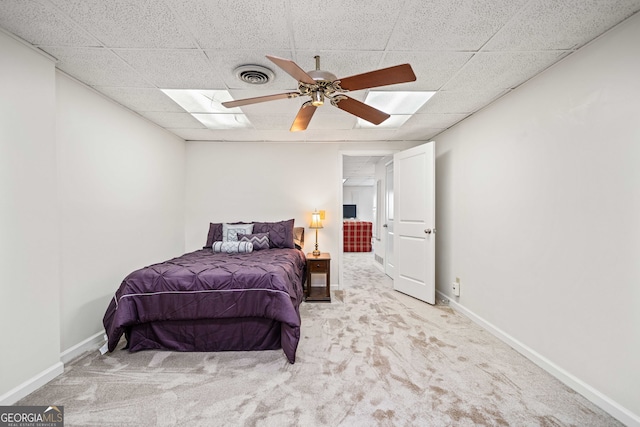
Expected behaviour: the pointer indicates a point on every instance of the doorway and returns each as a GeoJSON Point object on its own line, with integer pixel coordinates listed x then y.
{"type": "Point", "coordinates": [360, 185]}
{"type": "Point", "coordinates": [412, 173]}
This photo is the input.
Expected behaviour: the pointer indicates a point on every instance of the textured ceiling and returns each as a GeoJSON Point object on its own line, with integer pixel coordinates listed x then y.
{"type": "Point", "coordinates": [470, 52]}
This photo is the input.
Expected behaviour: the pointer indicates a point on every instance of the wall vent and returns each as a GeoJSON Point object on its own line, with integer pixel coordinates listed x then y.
{"type": "Point", "coordinates": [379, 259]}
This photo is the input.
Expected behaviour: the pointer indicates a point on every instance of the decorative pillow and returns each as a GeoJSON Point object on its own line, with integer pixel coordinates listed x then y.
{"type": "Point", "coordinates": [259, 240]}
{"type": "Point", "coordinates": [280, 233]}
{"type": "Point", "coordinates": [214, 235]}
{"type": "Point", "coordinates": [215, 232]}
{"type": "Point", "coordinates": [232, 247]}
{"type": "Point", "coordinates": [230, 231]}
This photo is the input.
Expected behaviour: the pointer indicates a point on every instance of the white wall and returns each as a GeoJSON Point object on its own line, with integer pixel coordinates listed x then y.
{"type": "Point", "coordinates": [29, 251]}
{"type": "Point", "coordinates": [538, 207]}
{"type": "Point", "coordinates": [121, 190]}
{"type": "Point", "coordinates": [263, 182]}
{"type": "Point", "coordinates": [89, 191]}
{"type": "Point", "coordinates": [362, 197]}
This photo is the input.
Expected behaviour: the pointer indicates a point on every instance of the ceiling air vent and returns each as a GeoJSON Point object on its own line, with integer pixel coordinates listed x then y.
{"type": "Point", "coordinates": [254, 74]}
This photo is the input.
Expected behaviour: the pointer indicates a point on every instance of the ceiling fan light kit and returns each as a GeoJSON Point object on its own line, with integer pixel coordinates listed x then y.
{"type": "Point", "coordinates": [320, 85]}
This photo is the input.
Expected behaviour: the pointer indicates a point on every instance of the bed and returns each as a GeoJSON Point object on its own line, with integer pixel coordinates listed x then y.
{"type": "Point", "coordinates": [216, 299]}
{"type": "Point", "coordinates": [357, 236]}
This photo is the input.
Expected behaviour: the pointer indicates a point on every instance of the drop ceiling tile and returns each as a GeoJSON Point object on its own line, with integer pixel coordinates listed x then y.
{"type": "Point", "coordinates": [438, 121]}
{"type": "Point", "coordinates": [226, 61]}
{"type": "Point", "coordinates": [141, 99]}
{"type": "Point", "coordinates": [193, 134]}
{"type": "Point", "coordinates": [363, 135]}
{"type": "Point", "coordinates": [358, 182]}
{"type": "Point", "coordinates": [96, 66]}
{"type": "Point", "coordinates": [568, 24]}
{"type": "Point", "coordinates": [460, 102]}
{"type": "Point", "coordinates": [326, 135]}
{"type": "Point", "coordinates": [128, 23]}
{"type": "Point", "coordinates": [501, 70]}
{"type": "Point", "coordinates": [271, 121]}
{"type": "Point", "coordinates": [173, 120]}
{"type": "Point", "coordinates": [173, 69]}
{"type": "Point", "coordinates": [341, 63]}
{"type": "Point", "coordinates": [320, 120]}
{"type": "Point", "coordinates": [450, 25]}
{"type": "Point", "coordinates": [417, 134]}
{"type": "Point", "coordinates": [244, 135]}
{"type": "Point", "coordinates": [235, 24]}
{"type": "Point", "coordinates": [282, 136]}
{"type": "Point", "coordinates": [363, 28]}
{"type": "Point", "coordinates": [41, 24]}
{"type": "Point", "coordinates": [323, 119]}
{"type": "Point", "coordinates": [356, 166]}
{"type": "Point", "coordinates": [432, 69]}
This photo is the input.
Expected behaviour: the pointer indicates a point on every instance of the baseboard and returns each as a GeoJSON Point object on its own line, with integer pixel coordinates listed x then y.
{"type": "Point", "coordinates": [92, 343]}
{"type": "Point", "coordinates": [616, 410]}
{"type": "Point", "coordinates": [12, 396]}
{"type": "Point", "coordinates": [31, 385]}
{"type": "Point", "coordinates": [379, 267]}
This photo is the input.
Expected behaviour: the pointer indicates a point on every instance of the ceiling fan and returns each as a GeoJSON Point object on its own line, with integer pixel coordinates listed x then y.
{"type": "Point", "coordinates": [321, 85]}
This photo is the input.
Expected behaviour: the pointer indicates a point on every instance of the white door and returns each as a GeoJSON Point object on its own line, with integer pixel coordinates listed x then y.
{"type": "Point", "coordinates": [414, 222]}
{"type": "Point", "coordinates": [388, 222]}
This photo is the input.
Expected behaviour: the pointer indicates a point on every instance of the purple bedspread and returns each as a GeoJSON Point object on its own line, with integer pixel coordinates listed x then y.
{"type": "Point", "coordinates": [208, 285]}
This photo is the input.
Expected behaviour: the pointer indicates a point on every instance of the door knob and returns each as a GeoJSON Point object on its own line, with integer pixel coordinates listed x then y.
{"type": "Point", "coordinates": [429, 231]}
{"type": "Point", "coordinates": [385, 225]}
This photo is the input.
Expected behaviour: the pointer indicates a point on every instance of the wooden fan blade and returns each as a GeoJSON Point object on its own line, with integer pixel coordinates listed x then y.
{"type": "Point", "coordinates": [383, 77]}
{"type": "Point", "coordinates": [362, 110]}
{"type": "Point", "coordinates": [293, 69]}
{"type": "Point", "coordinates": [248, 101]}
{"type": "Point", "coordinates": [303, 118]}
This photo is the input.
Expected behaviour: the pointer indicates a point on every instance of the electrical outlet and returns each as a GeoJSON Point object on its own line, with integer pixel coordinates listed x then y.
{"type": "Point", "coordinates": [456, 287]}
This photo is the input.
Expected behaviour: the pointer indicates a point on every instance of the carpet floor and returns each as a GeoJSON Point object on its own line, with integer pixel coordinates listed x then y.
{"type": "Point", "coordinates": [372, 357]}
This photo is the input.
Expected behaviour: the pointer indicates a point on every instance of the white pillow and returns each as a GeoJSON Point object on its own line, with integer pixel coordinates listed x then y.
{"type": "Point", "coordinates": [230, 231]}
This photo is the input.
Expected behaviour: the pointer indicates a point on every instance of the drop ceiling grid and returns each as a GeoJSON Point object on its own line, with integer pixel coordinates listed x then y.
{"type": "Point", "coordinates": [470, 51]}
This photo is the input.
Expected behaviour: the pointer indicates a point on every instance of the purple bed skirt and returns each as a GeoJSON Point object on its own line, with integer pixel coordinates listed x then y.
{"type": "Point", "coordinates": [242, 334]}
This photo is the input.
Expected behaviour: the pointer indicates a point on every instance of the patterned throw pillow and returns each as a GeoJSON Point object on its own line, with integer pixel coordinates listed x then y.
{"type": "Point", "coordinates": [259, 240]}
{"type": "Point", "coordinates": [230, 231]}
{"type": "Point", "coordinates": [232, 247]}
{"type": "Point", "coordinates": [280, 233]}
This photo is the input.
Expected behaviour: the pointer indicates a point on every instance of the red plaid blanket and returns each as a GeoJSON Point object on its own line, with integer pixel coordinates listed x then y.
{"type": "Point", "coordinates": [357, 236]}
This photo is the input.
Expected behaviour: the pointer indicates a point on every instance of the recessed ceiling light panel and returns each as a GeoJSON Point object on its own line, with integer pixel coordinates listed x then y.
{"type": "Point", "coordinates": [394, 102]}
{"type": "Point", "coordinates": [206, 106]}
{"type": "Point", "coordinates": [400, 105]}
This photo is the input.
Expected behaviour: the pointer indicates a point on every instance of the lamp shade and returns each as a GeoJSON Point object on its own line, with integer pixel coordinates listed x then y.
{"type": "Point", "coordinates": [315, 220]}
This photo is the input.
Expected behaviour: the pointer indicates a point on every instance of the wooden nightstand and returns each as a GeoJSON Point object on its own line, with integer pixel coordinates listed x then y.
{"type": "Point", "coordinates": [320, 264]}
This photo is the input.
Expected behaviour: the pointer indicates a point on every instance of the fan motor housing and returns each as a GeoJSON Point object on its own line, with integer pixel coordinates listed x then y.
{"type": "Point", "coordinates": [322, 76]}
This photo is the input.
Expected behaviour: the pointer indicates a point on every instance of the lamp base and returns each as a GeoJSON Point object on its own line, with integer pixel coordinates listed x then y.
{"type": "Point", "coordinates": [316, 252]}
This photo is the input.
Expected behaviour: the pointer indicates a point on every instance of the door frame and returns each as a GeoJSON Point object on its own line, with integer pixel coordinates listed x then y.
{"type": "Point", "coordinates": [356, 153]}
{"type": "Point", "coordinates": [388, 267]}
